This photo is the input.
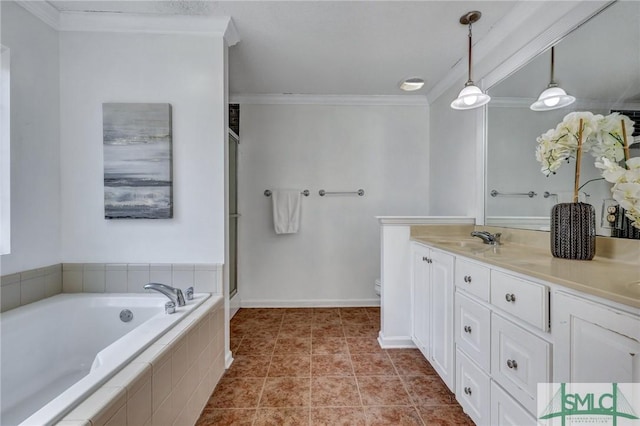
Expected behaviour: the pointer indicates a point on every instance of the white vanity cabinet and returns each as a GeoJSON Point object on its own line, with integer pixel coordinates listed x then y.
{"type": "Point", "coordinates": [595, 343]}
{"type": "Point", "coordinates": [499, 333]}
{"type": "Point", "coordinates": [500, 355]}
{"type": "Point", "coordinates": [432, 308]}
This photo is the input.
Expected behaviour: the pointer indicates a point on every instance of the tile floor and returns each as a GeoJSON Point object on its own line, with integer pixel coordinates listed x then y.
{"type": "Point", "coordinates": [313, 366]}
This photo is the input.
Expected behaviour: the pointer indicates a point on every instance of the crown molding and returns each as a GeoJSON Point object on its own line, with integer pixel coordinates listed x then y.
{"type": "Point", "coordinates": [221, 26]}
{"type": "Point", "coordinates": [580, 104]}
{"type": "Point", "coordinates": [296, 99]}
{"type": "Point", "coordinates": [42, 10]}
{"type": "Point", "coordinates": [146, 24]}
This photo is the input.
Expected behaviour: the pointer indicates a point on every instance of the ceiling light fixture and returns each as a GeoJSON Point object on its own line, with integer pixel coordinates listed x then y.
{"type": "Point", "coordinates": [553, 97]}
{"type": "Point", "coordinates": [411, 84]}
{"type": "Point", "coordinates": [471, 96]}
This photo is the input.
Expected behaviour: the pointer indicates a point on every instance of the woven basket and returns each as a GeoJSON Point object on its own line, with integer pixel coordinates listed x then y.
{"type": "Point", "coordinates": [573, 231]}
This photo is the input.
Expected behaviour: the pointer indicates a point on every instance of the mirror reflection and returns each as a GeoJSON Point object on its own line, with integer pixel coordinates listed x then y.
{"type": "Point", "coordinates": [599, 64]}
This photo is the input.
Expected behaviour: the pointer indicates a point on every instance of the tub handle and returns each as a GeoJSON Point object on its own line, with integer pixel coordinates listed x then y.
{"type": "Point", "coordinates": [170, 308]}
{"type": "Point", "coordinates": [189, 293]}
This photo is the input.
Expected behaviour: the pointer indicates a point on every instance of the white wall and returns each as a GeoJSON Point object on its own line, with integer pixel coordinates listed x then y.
{"type": "Point", "coordinates": [452, 166]}
{"type": "Point", "coordinates": [335, 257]}
{"type": "Point", "coordinates": [187, 72]}
{"type": "Point", "coordinates": [35, 143]}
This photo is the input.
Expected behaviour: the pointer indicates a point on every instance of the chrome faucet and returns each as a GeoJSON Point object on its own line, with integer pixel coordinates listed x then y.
{"type": "Point", "coordinates": [174, 294]}
{"type": "Point", "coordinates": [488, 237]}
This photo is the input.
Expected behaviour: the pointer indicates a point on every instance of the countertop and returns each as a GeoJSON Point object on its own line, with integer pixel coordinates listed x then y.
{"type": "Point", "coordinates": [613, 280]}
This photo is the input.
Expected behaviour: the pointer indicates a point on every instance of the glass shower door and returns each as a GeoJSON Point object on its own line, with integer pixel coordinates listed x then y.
{"type": "Point", "coordinates": [233, 214]}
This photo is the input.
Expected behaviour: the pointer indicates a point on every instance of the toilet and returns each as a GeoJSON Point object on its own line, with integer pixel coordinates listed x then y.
{"type": "Point", "coordinates": [376, 287]}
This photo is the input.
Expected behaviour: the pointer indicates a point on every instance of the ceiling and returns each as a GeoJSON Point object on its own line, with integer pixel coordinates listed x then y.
{"type": "Point", "coordinates": [331, 47]}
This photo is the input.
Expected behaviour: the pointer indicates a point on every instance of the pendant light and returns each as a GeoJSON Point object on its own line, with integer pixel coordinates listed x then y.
{"type": "Point", "coordinates": [471, 96]}
{"type": "Point", "coordinates": [553, 97]}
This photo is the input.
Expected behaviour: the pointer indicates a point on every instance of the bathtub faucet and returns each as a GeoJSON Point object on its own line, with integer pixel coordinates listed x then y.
{"type": "Point", "coordinates": [175, 294]}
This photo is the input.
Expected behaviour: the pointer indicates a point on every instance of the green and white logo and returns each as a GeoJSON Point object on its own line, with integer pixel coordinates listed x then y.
{"type": "Point", "coordinates": [561, 404]}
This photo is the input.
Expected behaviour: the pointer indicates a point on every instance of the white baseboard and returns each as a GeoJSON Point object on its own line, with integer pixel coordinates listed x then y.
{"type": "Point", "coordinates": [395, 342]}
{"type": "Point", "coordinates": [306, 303]}
{"type": "Point", "coordinates": [228, 360]}
{"type": "Point", "coordinates": [234, 305]}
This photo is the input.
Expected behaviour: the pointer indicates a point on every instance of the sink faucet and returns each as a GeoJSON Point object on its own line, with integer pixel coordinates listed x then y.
{"type": "Point", "coordinates": [488, 237]}
{"type": "Point", "coordinates": [174, 294]}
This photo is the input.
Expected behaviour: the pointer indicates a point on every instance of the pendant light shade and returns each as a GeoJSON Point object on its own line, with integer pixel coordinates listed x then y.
{"type": "Point", "coordinates": [471, 96]}
{"type": "Point", "coordinates": [553, 97]}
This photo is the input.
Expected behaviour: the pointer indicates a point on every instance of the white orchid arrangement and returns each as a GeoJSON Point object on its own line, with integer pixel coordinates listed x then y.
{"type": "Point", "coordinates": [626, 185]}
{"type": "Point", "coordinates": [605, 137]}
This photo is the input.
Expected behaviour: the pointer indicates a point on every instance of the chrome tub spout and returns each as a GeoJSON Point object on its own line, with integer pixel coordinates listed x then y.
{"type": "Point", "coordinates": [174, 294]}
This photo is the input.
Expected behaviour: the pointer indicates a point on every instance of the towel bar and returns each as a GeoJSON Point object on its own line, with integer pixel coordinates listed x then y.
{"type": "Point", "coordinates": [495, 193]}
{"type": "Point", "coordinates": [267, 193]}
{"type": "Point", "coordinates": [322, 192]}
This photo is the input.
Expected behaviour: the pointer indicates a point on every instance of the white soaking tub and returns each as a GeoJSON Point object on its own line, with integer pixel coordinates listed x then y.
{"type": "Point", "coordinates": [57, 351]}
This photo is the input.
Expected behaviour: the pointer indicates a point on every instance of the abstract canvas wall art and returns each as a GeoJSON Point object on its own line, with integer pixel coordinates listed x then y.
{"type": "Point", "coordinates": [138, 182]}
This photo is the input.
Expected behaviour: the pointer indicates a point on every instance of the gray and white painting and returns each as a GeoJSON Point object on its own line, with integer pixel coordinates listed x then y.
{"type": "Point", "coordinates": [137, 161]}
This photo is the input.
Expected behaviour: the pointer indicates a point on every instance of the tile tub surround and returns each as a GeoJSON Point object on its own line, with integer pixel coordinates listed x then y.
{"type": "Point", "coordinates": [29, 286]}
{"type": "Point", "coordinates": [613, 274]}
{"type": "Point", "coordinates": [169, 383]}
{"type": "Point", "coordinates": [313, 366]}
{"type": "Point", "coordinates": [131, 277]}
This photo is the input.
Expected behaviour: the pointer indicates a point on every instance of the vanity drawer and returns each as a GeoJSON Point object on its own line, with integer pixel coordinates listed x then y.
{"type": "Point", "coordinates": [505, 411]}
{"type": "Point", "coordinates": [523, 299]}
{"type": "Point", "coordinates": [519, 360]}
{"type": "Point", "coordinates": [473, 329]}
{"type": "Point", "coordinates": [472, 389]}
{"type": "Point", "coordinates": [472, 278]}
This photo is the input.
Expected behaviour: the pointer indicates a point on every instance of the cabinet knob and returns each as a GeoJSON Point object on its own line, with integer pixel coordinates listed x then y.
{"type": "Point", "coordinates": [467, 390]}
{"type": "Point", "coordinates": [467, 278]}
{"type": "Point", "coordinates": [510, 297]}
{"type": "Point", "coordinates": [467, 329]}
{"type": "Point", "coordinates": [511, 363]}
{"type": "Point", "coordinates": [425, 258]}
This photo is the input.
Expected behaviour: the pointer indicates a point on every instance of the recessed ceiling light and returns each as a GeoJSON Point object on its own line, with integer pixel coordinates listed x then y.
{"type": "Point", "coordinates": [411, 84]}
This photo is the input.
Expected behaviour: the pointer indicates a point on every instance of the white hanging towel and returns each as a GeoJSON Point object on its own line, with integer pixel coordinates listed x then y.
{"type": "Point", "coordinates": [286, 210]}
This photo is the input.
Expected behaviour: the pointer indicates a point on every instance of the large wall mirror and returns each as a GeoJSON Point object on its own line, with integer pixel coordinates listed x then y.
{"type": "Point", "coordinates": [599, 64]}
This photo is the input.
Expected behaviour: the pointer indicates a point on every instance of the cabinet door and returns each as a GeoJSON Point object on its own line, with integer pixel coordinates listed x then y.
{"type": "Point", "coordinates": [596, 344]}
{"type": "Point", "coordinates": [519, 360]}
{"type": "Point", "coordinates": [420, 298]}
{"type": "Point", "coordinates": [472, 389]}
{"type": "Point", "coordinates": [473, 330]}
{"type": "Point", "coordinates": [507, 412]}
{"type": "Point", "coordinates": [442, 305]}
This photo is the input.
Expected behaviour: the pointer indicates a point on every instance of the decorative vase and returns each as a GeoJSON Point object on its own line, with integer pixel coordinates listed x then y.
{"type": "Point", "coordinates": [573, 231]}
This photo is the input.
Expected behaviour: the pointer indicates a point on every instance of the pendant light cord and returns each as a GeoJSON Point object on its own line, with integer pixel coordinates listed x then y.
{"type": "Point", "coordinates": [470, 81]}
{"type": "Point", "coordinates": [553, 60]}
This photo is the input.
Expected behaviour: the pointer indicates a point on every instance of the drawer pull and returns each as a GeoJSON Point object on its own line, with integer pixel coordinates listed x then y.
{"type": "Point", "coordinates": [467, 329]}
{"type": "Point", "coordinates": [467, 390]}
{"type": "Point", "coordinates": [467, 279]}
{"type": "Point", "coordinates": [510, 297]}
{"type": "Point", "coordinates": [511, 363]}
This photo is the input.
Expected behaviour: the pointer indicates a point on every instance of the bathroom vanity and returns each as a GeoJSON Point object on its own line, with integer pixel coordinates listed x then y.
{"type": "Point", "coordinates": [494, 321]}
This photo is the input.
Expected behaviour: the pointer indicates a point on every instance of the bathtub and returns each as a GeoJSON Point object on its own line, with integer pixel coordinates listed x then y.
{"type": "Point", "coordinates": [57, 351]}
